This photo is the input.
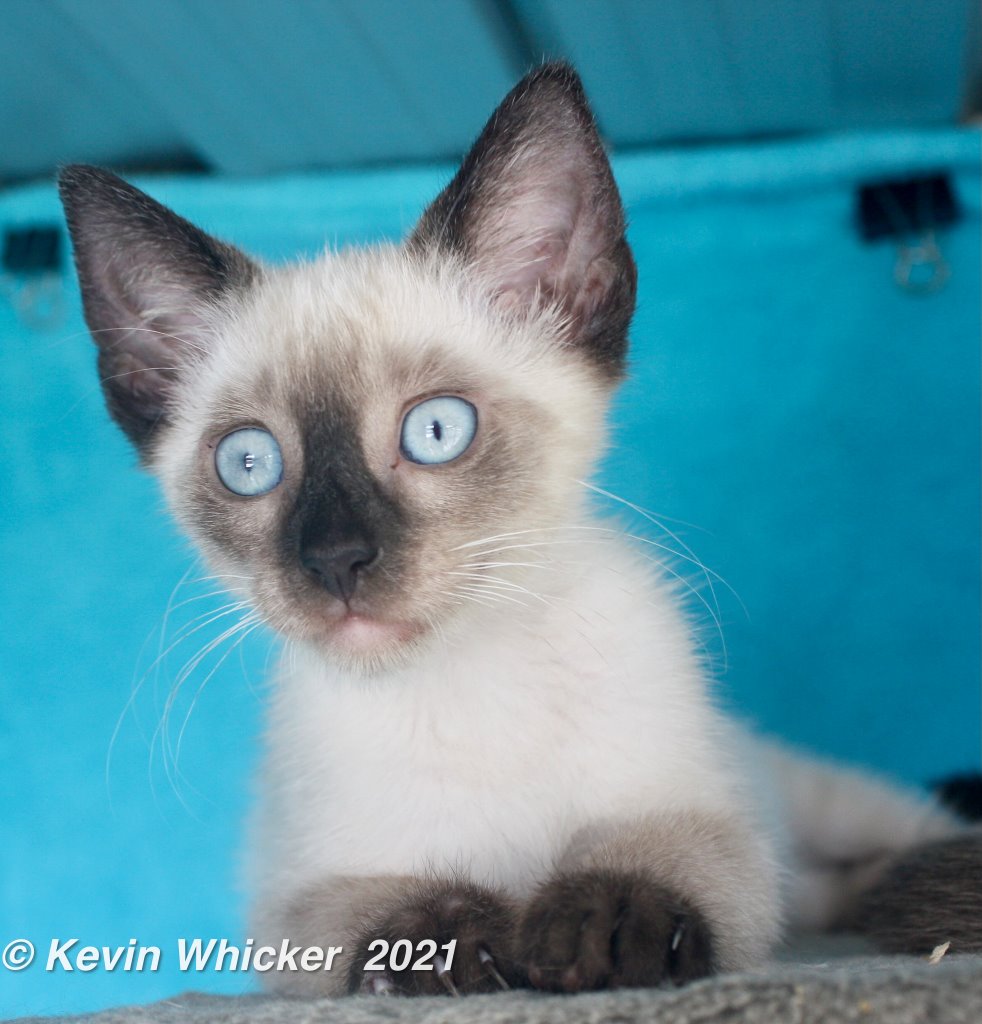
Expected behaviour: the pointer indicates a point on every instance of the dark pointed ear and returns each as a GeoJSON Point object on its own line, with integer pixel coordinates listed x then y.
{"type": "Point", "coordinates": [148, 278]}
{"type": "Point", "coordinates": [535, 209]}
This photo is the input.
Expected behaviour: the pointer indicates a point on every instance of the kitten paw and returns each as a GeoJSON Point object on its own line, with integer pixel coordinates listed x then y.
{"type": "Point", "coordinates": [481, 920]}
{"type": "Point", "coordinates": [601, 929]}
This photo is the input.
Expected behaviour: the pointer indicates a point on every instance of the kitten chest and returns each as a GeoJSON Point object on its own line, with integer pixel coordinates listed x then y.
{"type": "Point", "coordinates": [490, 773]}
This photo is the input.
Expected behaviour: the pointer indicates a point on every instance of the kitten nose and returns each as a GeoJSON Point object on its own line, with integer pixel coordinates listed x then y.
{"type": "Point", "coordinates": [336, 568]}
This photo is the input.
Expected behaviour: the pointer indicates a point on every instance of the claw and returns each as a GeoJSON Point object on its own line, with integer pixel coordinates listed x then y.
{"type": "Point", "coordinates": [446, 978]}
{"type": "Point", "coordinates": [380, 985]}
{"type": "Point", "coordinates": [678, 935]}
{"type": "Point", "coordinates": [488, 960]}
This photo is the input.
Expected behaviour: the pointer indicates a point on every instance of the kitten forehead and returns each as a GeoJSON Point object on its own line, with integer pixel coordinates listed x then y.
{"type": "Point", "coordinates": [384, 321]}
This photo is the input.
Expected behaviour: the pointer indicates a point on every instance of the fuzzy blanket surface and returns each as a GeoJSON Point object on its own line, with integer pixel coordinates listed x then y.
{"type": "Point", "coordinates": [879, 990]}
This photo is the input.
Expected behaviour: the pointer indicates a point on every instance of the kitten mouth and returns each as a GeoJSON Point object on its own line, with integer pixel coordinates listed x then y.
{"type": "Point", "coordinates": [362, 634]}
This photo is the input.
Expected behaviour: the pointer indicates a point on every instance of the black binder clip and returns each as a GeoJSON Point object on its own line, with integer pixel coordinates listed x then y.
{"type": "Point", "coordinates": [31, 264]}
{"type": "Point", "coordinates": [910, 212]}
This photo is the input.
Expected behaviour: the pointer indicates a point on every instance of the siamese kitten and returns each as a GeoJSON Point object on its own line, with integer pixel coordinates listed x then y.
{"type": "Point", "coordinates": [490, 724]}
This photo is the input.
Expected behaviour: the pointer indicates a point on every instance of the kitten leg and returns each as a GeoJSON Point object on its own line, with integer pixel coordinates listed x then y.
{"type": "Point", "coordinates": [667, 898]}
{"type": "Point", "coordinates": [845, 828]}
{"type": "Point", "coordinates": [927, 896]}
{"type": "Point", "coordinates": [355, 911]}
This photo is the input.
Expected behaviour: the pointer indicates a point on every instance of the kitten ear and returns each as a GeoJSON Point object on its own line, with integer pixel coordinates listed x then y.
{"type": "Point", "coordinates": [148, 278]}
{"type": "Point", "coordinates": [535, 209]}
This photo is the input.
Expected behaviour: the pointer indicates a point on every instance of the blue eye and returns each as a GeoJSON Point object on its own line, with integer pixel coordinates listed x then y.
{"type": "Point", "coordinates": [249, 461]}
{"type": "Point", "coordinates": [438, 430]}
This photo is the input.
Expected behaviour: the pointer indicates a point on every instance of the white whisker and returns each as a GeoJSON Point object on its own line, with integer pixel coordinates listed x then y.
{"type": "Point", "coordinates": [246, 628]}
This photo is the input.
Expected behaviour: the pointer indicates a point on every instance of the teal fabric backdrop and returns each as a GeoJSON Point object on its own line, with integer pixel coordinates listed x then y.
{"type": "Point", "coordinates": [818, 427]}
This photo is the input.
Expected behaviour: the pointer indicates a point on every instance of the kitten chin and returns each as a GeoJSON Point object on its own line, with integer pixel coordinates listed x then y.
{"type": "Point", "coordinates": [364, 635]}
{"type": "Point", "coordinates": [357, 641]}
{"type": "Point", "coordinates": [370, 645]}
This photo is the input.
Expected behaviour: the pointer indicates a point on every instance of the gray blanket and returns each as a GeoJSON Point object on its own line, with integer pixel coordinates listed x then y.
{"type": "Point", "coordinates": [891, 990]}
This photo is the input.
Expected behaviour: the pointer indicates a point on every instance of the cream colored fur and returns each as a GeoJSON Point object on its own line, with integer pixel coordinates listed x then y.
{"type": "Point", "coordinates": [558, 717]}
{"type": "Point", "coordinates": [481, 681]}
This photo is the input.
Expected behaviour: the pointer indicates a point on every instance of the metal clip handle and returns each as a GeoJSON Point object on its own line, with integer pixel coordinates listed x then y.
{"type": "Point", "coordinates": [921, 269]}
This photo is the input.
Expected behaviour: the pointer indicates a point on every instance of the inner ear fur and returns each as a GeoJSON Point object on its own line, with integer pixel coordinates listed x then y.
{"type": "Point", "coordinates": [535, 210]}
{"type": "Point", "coordinates": [148, 279]}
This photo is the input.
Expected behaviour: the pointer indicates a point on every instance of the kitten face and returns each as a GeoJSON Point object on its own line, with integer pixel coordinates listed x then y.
{"type": "Point", "coordinates": [361, 339]}
{"type": "Point", "coordinates": [360, 531]}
